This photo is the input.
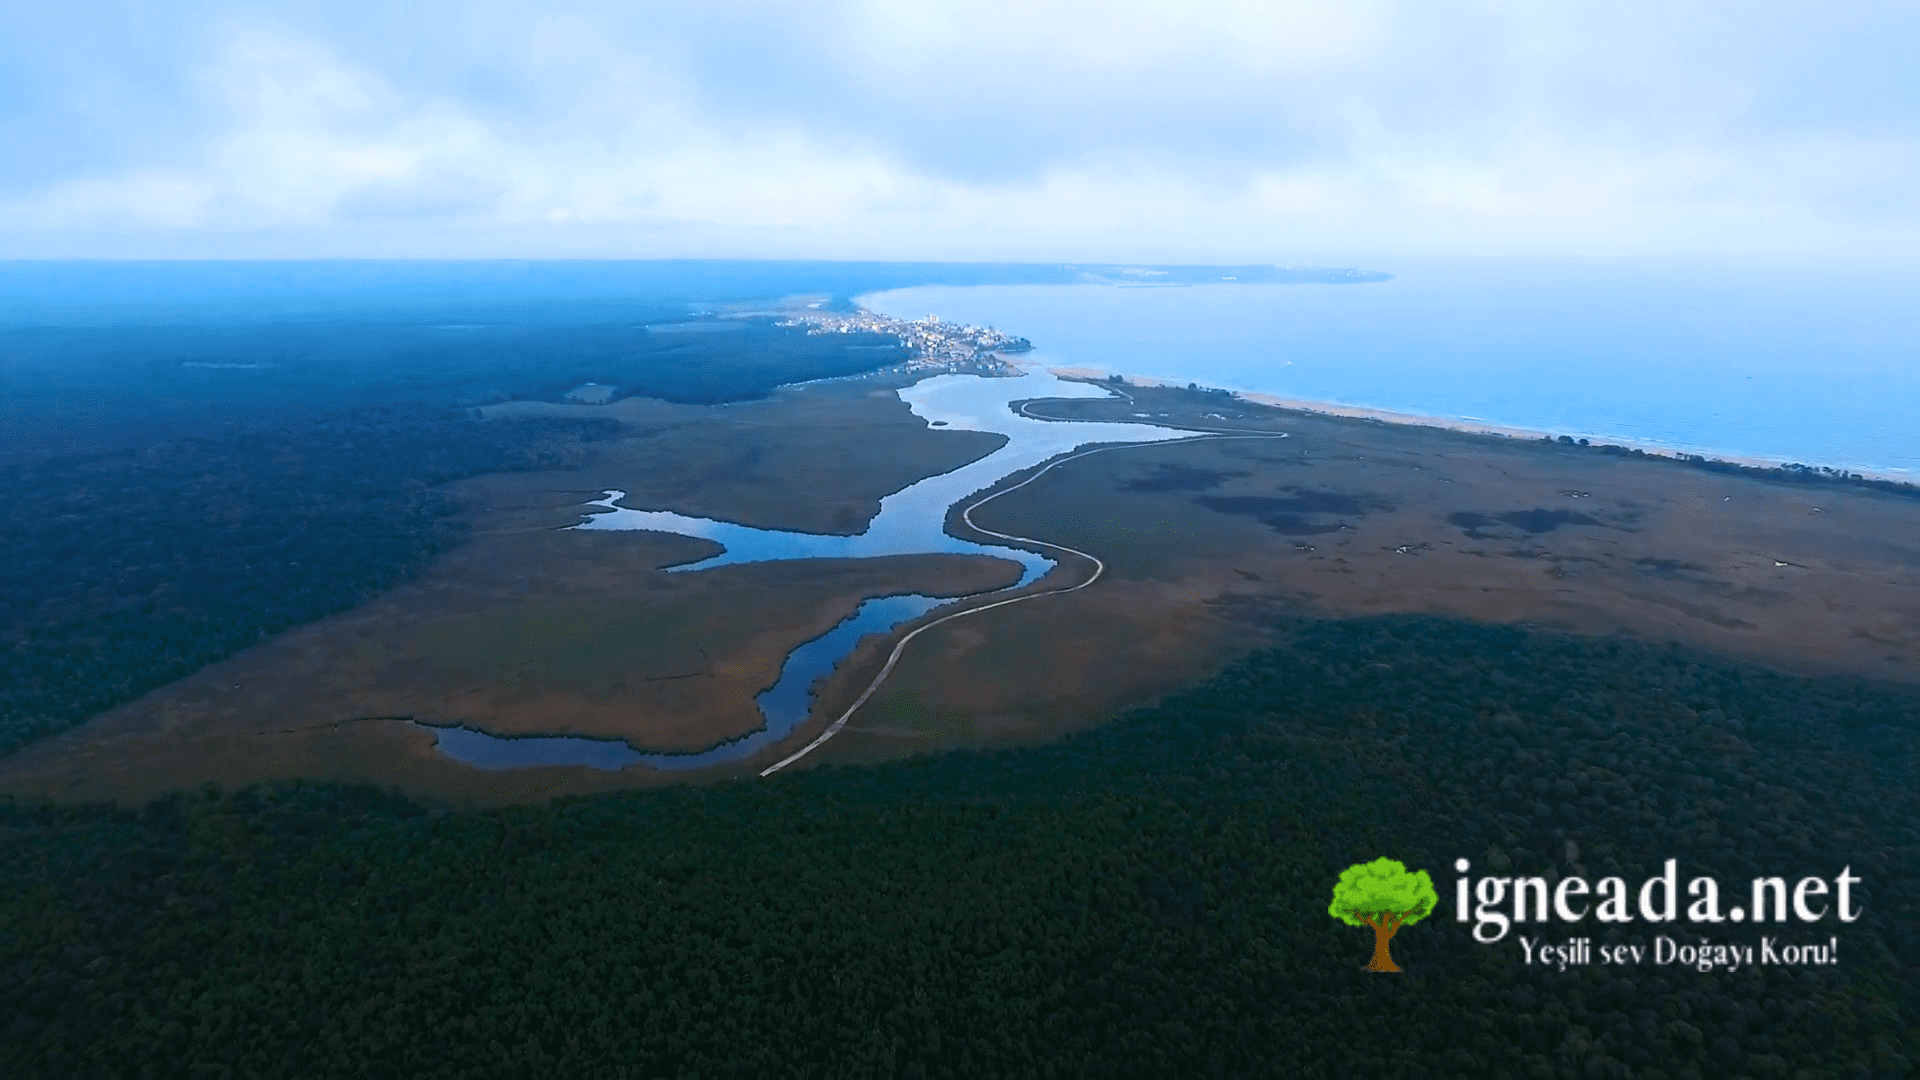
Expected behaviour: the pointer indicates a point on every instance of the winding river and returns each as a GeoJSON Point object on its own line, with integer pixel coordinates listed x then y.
{"type": "Point", "coordinates": [911, 521]}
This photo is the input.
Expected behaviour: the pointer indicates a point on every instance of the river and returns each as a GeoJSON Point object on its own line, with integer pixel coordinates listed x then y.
{"type": "Point", "coordinates": [911, 521]}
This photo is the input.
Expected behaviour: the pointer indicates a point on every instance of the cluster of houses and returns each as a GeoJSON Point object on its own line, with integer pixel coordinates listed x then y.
{"type": "Point", "coordinates": [930, 341]}
{"type": "Point", "coordinates": [591, 394]}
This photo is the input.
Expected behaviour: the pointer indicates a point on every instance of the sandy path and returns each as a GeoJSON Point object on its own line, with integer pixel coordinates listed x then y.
{"type": "Point", "coordinates": [966, 516]}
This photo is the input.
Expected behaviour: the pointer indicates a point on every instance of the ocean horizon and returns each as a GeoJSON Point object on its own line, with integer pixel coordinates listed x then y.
{"type": "Point", "coordinates": [1783, 362]}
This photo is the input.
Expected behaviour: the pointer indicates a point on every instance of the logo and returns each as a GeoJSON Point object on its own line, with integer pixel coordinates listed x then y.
{"type": "Point", "coordinates": [1384, 896]}
{"type": "Point", "coordinates": [1612, 900]}
{"type": "Point", "coordinates": [1495, 905]}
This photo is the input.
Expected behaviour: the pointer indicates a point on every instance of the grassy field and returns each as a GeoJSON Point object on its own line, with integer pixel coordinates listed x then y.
{"type": "Point", "coordinates": [531, 630]}
{"type": "Point", "coordinates": [1205, 541]}
{"type": "Point", "coordinates": [814, 459]}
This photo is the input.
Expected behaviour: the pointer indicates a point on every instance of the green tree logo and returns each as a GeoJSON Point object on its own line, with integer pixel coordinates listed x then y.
{"type": "Point", "coordinates": [1384, 895]}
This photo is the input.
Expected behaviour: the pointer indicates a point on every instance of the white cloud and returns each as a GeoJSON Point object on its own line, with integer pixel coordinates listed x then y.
{"type": "Point", "coordinates": [1122, 38]}
{"type": "Point", "coordinates": [1001, 129]}
{"type": "Point", "coordinates": [133, 199]}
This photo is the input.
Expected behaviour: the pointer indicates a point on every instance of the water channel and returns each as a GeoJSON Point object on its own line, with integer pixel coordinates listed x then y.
{"type": "Point", "coordinates": [911, 521]}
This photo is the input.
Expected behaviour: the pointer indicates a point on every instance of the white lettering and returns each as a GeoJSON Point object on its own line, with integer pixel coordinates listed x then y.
{"type": "Point", "coordinates": [1490, 892]}
{"type": "Point", "coordinates": [1569, 887]}
{"type": "Point", "coordinates": [1846, 881]}
{"type": "Point", "coordinates": [1538, 887]}
{"type": "Point", "coordinates": [1812, 886]}
{"type": "Point", "coordinates": [1762, 886]}
{"type": "Point", "coordinates": [1669, 883]}
{"type": "Point", "coordinates": [1707, 908]}
{"type": "Point", "coordinates": [1613, 901]}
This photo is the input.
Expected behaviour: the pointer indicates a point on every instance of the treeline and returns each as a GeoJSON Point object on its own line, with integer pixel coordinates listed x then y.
{"type": "Point", "coordinates": [1145, 900]}
{"type": "Point", "coordinates": [128, 570]}
{"type": "Point", "coordinates": [78, 389]}
{"type": "Point", "coordinates": [1795, 473]}
{"type": "Point", "coordinates": [170, 494]}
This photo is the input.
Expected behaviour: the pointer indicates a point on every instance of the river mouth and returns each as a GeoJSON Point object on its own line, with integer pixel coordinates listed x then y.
{"type": "Point", "coordinates": [911, 521]}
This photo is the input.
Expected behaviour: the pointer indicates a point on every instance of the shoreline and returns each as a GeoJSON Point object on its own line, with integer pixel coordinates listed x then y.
{"type": "Point", "coordinates": [1476, 426]}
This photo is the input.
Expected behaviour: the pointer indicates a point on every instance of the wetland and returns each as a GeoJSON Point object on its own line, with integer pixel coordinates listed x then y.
{"type": "Point", "coordinates": [823, 518]}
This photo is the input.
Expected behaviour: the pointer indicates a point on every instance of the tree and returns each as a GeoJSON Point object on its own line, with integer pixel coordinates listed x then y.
{"type": "Point", "coordinates": [1384, 895]}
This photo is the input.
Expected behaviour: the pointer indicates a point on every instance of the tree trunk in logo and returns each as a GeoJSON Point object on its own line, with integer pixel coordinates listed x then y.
{"type": "Point", "coordinates": [1382, 959]}
{"type": "Point", "coordinates": [1384, 896]}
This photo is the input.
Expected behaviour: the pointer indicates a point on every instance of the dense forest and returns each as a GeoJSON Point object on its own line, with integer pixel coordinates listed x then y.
{"type": "Point", "coordinates": [1148, 899]}
{"type": "Point", "coordinates": [128, 570]}
{"type": "Point", "coordinates": [101, 354]}
{"type": "Point", "coordinates": [87, 388]}
{"type": "Point", "coordinates": [170, 494]}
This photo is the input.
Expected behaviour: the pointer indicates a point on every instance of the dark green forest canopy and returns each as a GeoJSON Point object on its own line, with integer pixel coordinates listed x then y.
{"type": "Point", "coordinates": [171, 494]}
{"type": "Point", "coordinates": [98, 355]}
{"type": "Point", "coordinates": [1145, 900]}
{"type": "Point", "coordinates": [126, 571]}
{"type": "Point", "coordinates": [197, 456]}
{"type": "Point", "coordinates": [89, 388]}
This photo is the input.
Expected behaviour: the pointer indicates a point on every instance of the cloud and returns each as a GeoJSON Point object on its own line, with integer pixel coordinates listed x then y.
{"type": "Point", "coordinates": [984, 129]}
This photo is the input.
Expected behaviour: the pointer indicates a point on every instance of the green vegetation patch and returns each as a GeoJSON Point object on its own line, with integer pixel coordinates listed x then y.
{"type": "Point", "coordinates": [126, 571]}
{"type": "Point", "coordinates": [1139, 520]}
{"type": "Point", "coordinates": [1150, 899]}
{"type": "Point", "coordinates": [585, 643]}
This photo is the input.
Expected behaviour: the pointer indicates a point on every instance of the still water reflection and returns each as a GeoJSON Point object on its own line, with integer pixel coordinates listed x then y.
{"type": "Point", "coordinates": [911, 521]}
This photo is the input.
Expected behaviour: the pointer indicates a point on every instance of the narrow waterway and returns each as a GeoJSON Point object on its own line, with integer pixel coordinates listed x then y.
{"type": "Point", "coordinates": [911, 521]}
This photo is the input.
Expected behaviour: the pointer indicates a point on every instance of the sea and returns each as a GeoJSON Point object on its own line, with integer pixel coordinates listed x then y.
{"type": "Point", "coordinates": [1810, 362]}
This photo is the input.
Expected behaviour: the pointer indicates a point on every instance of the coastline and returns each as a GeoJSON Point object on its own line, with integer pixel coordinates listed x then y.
{"type": "Point", "coordinates": [1603, 351]}
{"type": "Point", "coordinates": [1475, 426]}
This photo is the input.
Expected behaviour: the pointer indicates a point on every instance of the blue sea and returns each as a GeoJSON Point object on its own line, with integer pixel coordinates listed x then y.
{"type": "Point", "coordinates": [1810, 362]}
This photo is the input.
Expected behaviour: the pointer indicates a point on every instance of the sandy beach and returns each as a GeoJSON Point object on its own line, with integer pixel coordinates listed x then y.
{"type": "Point", "coordinates": [1477, 426]}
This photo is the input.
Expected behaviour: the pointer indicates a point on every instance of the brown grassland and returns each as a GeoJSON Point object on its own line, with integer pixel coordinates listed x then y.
{"type": "Point", "coordinates": [527, 629]}
{"type": "Point", "coordinates": [1205, 541]}
{"type": "Point", "coordinates": [532, 629]}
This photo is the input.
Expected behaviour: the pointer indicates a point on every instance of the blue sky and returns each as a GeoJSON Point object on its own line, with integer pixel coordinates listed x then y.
{"type": "Point", "coordinates": [994, 129]}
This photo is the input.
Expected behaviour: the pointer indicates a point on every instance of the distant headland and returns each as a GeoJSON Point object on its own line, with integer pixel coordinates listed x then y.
{"type": "Point", "coordinates": [1217, 275]}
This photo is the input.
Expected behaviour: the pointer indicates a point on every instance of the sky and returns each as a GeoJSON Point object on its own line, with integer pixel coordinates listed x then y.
{"type": "Point", "coordinates": [1186, 130]}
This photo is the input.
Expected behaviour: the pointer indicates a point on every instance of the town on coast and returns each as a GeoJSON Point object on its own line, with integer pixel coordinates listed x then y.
{"type": "Point", "coordinates": [933, 345]}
